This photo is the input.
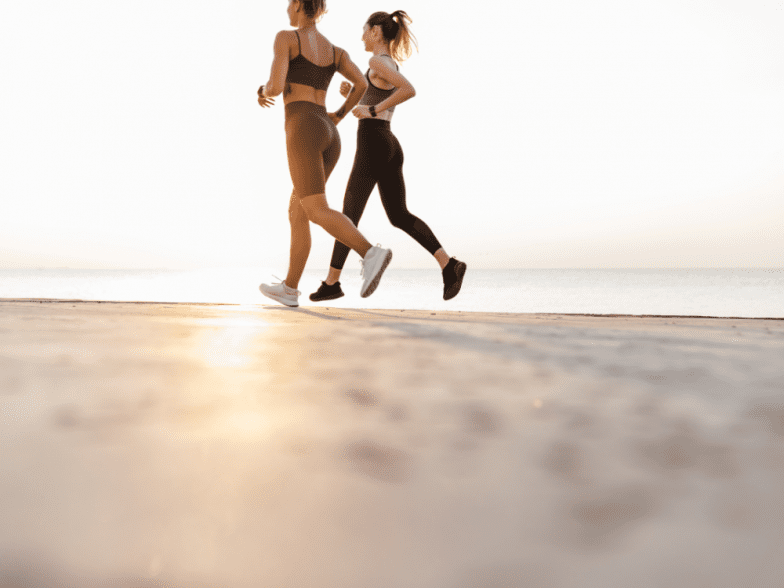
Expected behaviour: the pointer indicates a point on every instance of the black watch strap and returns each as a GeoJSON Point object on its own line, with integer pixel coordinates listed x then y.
{"type": "Point", "coordinates": [373, 111]}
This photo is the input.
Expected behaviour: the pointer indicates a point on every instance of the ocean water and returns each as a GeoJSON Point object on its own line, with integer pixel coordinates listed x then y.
{"type": "Point", "coordinates": [687, 292]}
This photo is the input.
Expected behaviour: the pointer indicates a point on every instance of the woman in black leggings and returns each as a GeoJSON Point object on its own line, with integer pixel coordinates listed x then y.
{"type": "Point", "coordinates": [302, 69]}
{"type": "Point", "coordinates": [379, 157]}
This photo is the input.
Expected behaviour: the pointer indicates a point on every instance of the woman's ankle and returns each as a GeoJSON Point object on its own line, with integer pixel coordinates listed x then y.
{"type": "Point", "coordinates": [442, 258]}
{"type": "Point", "coordinates": [333, 277]}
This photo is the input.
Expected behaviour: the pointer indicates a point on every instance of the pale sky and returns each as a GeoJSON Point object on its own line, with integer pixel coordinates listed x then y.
{"type": "Point", "coordinates": [565, 134]}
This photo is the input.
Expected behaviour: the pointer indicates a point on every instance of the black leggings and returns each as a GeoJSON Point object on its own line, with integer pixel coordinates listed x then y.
{"type": "Point", "coordinates": [379, 160]}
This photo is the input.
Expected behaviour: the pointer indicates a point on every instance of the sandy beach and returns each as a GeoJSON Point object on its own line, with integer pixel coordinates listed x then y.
{"type": "Point", "coordinates": [181, 446]}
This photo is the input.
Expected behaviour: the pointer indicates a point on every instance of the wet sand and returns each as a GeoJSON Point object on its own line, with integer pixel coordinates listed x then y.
{"type": "Point", "coordinates": [258, 446]}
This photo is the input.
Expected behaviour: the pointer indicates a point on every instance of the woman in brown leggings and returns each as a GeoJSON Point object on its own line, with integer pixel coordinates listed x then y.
{"type": "Point", "coordinates": [302, 69]}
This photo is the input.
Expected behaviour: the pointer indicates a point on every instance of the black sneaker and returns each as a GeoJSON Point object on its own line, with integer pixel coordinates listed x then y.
{"type": "Point", "coordinates": [453, 277]}
{"type": "Point", "coordinates": [326, 292]}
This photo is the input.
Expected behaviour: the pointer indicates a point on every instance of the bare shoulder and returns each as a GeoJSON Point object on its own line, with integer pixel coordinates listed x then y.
{"type": "Point", "coordinates": [382, 62]}
{"type": "Point", "coordinates": [285, 38]}
{"type": "Point", "coordinates": [342, 58]}
{"type": "Point", "coordinates": [340, 53]}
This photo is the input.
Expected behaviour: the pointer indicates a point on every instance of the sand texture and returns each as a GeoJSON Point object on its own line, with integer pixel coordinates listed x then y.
{"type": "Point", "coordinates": [187, 446]}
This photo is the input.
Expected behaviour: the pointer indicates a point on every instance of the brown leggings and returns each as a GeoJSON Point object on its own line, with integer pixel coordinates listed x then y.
{"type": "Point", "coordinates": [313, 147]}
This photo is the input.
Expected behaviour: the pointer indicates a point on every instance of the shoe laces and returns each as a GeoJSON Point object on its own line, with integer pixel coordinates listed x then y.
{"type": "Point", "coordinates": [282, 283]}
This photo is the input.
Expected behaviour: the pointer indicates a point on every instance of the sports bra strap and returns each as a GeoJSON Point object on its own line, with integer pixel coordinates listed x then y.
{"type": "Point", "coordinates": [298, 42]}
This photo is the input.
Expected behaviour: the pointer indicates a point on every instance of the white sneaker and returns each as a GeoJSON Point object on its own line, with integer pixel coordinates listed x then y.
{"type": "Point", "coordinates": [373, 265]}
{"type": "Point", "coordinates": [280, 292]}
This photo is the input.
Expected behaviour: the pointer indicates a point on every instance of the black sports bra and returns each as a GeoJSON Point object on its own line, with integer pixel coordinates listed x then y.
{"type": "Point", "coordinates": [307, 73]}
{"type": "Point", "coordinates": [375, 95]}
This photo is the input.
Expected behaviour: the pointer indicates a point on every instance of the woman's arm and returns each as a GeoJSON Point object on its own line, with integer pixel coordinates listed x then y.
{"type": "Point", "coordinates": [403, 88]}
{"type": "Point", "coordinates": [350, 71]}
{"type": "Point", "coordinates": [280, 67]}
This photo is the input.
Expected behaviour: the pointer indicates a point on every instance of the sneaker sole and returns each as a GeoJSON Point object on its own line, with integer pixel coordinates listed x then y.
{"type": "Point", "coordinates": [330, 297]}
{"type": "Point", "coordinates": [377, 278]}
{"type": "Point", "coordinates": [460, 270]}
{"type": "Point", "coordinates": [281, 300]}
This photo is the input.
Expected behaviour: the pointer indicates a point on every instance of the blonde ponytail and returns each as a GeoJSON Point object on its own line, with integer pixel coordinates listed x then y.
{"type": "Point", "coordinates": [396, 32]}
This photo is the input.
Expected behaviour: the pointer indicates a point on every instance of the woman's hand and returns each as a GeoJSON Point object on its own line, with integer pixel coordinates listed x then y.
{"type": "Point", "coordinates": [345, 89]}
{"type": "Point", "coordinates": [362, 112]}
{"type": "Point", "coordinates": [334, 118]}
{"type": "Point", "coordinates": [263, 101]}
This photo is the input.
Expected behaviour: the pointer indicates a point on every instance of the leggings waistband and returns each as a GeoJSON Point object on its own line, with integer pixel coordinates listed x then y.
{"type": "Point", "coordinates": [374, 123]}
{"type": "Point", "coordinates": [304, 106]}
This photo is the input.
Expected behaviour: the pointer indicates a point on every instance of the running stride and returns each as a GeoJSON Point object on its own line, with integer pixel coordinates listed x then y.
{"type": "Point", "coordinates": [302, 69]}
{"type": "Point", "coordinates": [379, 157]}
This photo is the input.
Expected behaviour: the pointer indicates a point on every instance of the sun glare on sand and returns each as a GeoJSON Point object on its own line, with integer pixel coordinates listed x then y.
{"type": "Point", "coordinates": [231, 352]}
{"type": "Point", "coordinates": [233, 344]}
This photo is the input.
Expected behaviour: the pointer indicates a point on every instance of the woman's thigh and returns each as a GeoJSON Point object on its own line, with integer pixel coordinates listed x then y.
{"type": "Point", "coordinates": [313, 148]}
{"type": "Point", "coordinates": [391, 183]}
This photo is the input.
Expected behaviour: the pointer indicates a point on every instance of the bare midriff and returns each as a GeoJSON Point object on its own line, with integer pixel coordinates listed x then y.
{"type": "Point", "coordinates": [302, 93]}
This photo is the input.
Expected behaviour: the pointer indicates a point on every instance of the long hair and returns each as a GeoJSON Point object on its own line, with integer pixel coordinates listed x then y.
{"type": "Point", "coordinates": [396, 31]}
{"type": "Point", "coordinates": [314, 8]}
